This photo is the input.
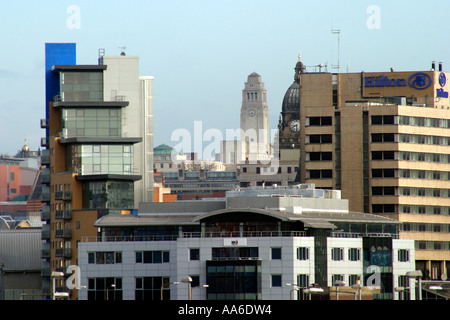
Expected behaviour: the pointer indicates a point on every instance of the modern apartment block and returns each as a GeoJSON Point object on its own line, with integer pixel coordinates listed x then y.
{"type": "Point", "coordinates": [99, 142]}
{"type": "Point", "coordinates": [383, 139]}
{"type": "Point", "coordinates": [247, 246]}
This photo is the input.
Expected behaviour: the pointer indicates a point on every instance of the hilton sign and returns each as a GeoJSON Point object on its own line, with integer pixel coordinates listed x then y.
{"type": "Point", "coordinates": [417, 81]}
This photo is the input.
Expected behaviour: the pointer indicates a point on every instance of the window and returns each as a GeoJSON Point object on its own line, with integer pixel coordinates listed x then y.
{"type": "Point", "coordinates": [337, 254]}
{"type": "Point", "coordinates": [104, 289]}
{"type": "Point", "coordinates": [276, 280]}
{"type": "Point", "coordinates": [303, 253]}
{"type": "Point", "coordinates": [403, 255]}
{"type": "Point", "coordinates": [101, 257]}
{"type": "Point", "coordinates": [353, 279]}
{"type": "Point", "coordinates": [276, 253]}
{"type": "Point", "coordinates": [354, 254]}
{"type": "Point", "coordinates": [152, 256]}
{"type": "Point", "coordinates": [336, 277]}
{"type": "Point", "coordinates": [194, 254]}
{"type": "Point", "coordinates": [151, 288]}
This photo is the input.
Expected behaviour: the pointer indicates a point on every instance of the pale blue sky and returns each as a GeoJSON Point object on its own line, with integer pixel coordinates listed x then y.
{"type": "Point", "coordinates": [201, 51]}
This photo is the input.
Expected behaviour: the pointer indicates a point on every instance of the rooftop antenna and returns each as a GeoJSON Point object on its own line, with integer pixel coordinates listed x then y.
{"type": "Point", "coordinates": [122, 53]}
{"type": "Point", "coordinates": [338, 32]}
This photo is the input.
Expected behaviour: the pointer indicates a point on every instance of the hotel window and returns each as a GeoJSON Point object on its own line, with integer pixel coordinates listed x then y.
{"type": "Point", "coordinates": [354, 254]}
{"type": "Point", "coordinates": [303, 280]}
{"type": "Point", "coordinates": [403, 255]}
{"type": "Point", "coordinates": [303, 253]}
{"type": "Point", "coordinates": [337, 254]}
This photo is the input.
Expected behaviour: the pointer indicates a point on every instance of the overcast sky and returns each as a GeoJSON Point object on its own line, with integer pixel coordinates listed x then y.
{"type": "Point", "coordinates": [201, 51]}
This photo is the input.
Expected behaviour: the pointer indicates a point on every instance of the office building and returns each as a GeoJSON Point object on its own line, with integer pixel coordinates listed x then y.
{"type": "Point", "coordinates": [99, 144]}
{"type": "Point", "coordinates": [382, 138]}
{"type": "Point", "coordinates": [246, 246]}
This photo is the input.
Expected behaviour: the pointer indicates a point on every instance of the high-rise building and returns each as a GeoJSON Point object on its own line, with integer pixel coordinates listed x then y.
{"type": "Point", "coordinates": [99, 143]}
{"type": "Point", "coordinates": [383, 138]}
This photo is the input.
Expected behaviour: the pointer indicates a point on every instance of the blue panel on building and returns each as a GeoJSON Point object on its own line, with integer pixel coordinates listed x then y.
{"type": "Point", "coordinates": [56, 53]}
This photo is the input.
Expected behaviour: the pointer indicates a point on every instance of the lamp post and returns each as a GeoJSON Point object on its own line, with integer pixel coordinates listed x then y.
{"type": "Point", "coordinates": [357, 286]}
{"type": "Point", "coordinates": [296, 288]}
{"type": "Point", "coordinates": [312, 290]}
{"type": "Point", "coordinates": [188, 280]}
{"type": "Point", "coordinates": [401, 290]}
{"type": "Point", "coordinates": [162, 287]}
{"type": "Point", "coordinates": [54, 275]}
{"type": "Point", "coordinates": [338, 283]}
{"type": "Point", "coordinates": [107, 291]}
{"type": "Point", "coordinates": [435, 289]}
{"type": "Point", "coordinates": [417, 274]}
{"type": "Point", "coordinates": [200, 286]}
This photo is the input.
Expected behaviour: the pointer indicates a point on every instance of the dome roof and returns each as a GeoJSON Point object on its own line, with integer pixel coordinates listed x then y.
{"type": "Point", "coordinates": [291, 100]}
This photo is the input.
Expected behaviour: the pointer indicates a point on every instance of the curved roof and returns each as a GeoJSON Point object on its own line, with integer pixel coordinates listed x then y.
{"type": "Point", "coordinates": [291, 100]}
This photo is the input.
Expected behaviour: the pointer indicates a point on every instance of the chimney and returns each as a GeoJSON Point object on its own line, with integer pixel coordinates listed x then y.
{"type": "Point", "coordinates": [433, 66]}
{"type": "Point", "coordinates": [440, 66]}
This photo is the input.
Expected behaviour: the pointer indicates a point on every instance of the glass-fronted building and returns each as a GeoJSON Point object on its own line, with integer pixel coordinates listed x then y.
{"type": "Point", "coordinates": [247, 246]}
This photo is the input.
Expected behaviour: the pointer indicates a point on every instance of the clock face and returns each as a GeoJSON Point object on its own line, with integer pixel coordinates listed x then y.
{"type": "Point", "coordinates": [251, 113]}
{"type": "Point", "coordinates": [294, 125]}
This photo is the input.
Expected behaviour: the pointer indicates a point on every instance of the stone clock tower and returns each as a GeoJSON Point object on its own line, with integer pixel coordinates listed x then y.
{"type": "Point", "coordinates": [255, 131]}
{"type": "Point", "coordinates": [289, 123]}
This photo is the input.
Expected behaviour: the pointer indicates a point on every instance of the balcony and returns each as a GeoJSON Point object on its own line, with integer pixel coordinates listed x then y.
{"type": "Point", "coordinates": [45, 176]}
{"type": "Point", "coordinates": [45, 235]}
{"type": "Point", "coordinates": [44, 142]}
{"type": "Point", "coordinates": [63, 214]}
{"type": "Point", "coordinates": [63, 233]}
{"type": "Point", "coordinates": [45, 251]}
{"type": "Point", "coordinates": [63, 195]}
{"type": "Point", "coordinates": [63, 253]}
{"type": "Point", "coordinates": [45, 194]}
{"type": "Point", "coordinates": [44, 123]}
{"type": "Point", "coordinates": [45, 157]}
{"type": "Point", "coordinates": [45, 213]}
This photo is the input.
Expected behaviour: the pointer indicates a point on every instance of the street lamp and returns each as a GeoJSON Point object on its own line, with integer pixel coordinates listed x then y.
{"type": "Point", "coordinates": [188, 280]}
{"type": "Point", "coordinates": [400, 290]}
{"type": "Point", "coordinates": [162, 287]}
{"type": "Point", "coordinates": [435, 289]}
{"type": "Point", "coordinates": [357, 286]}
{"type": "Point", "coordinates": [201, 286]}
{"type": "Point", "coordinates": [107, 290]}
{"type": "Point", "coordinates": [54, 275]}
{"type": "Point", "coordinates": [296, 288]}
{"type": "Point", "coordinates": [312, 290]}
{"type": "Point", "coordinates": [417, 274]}
{"type": "Point", "coordinates": [338, 283]}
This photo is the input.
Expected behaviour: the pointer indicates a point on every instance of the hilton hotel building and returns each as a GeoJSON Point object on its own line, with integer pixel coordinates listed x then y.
{"type": "Point", "coordinates": [383, 139]}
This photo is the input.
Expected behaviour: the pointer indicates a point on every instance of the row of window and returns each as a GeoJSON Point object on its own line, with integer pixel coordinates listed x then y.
{"type": "Point", "coordinates": [406, 208]}
{"type": "Point", "coordinates": [410, 121]}
{"type": "Point", "coordinates": [410, 138]}
{"type": "Point", "coordinates": [388, 120]}
{"type": "Point", "coordinates": [409, 173]}
{"type": "Point", "coordinates": [272, 169]}
{"type": "Point", "coordinates": [410, 191]}
{"type": "Point", "coordinates": [411, 156]}
{"type": "Point", "coordinates": [111, 257]}
{"type": "Point", "coordinates": [425, 227]}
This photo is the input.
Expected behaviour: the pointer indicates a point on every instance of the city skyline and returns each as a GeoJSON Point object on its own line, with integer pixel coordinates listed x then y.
{"type": "Point", "coordinates": [201, 52]}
